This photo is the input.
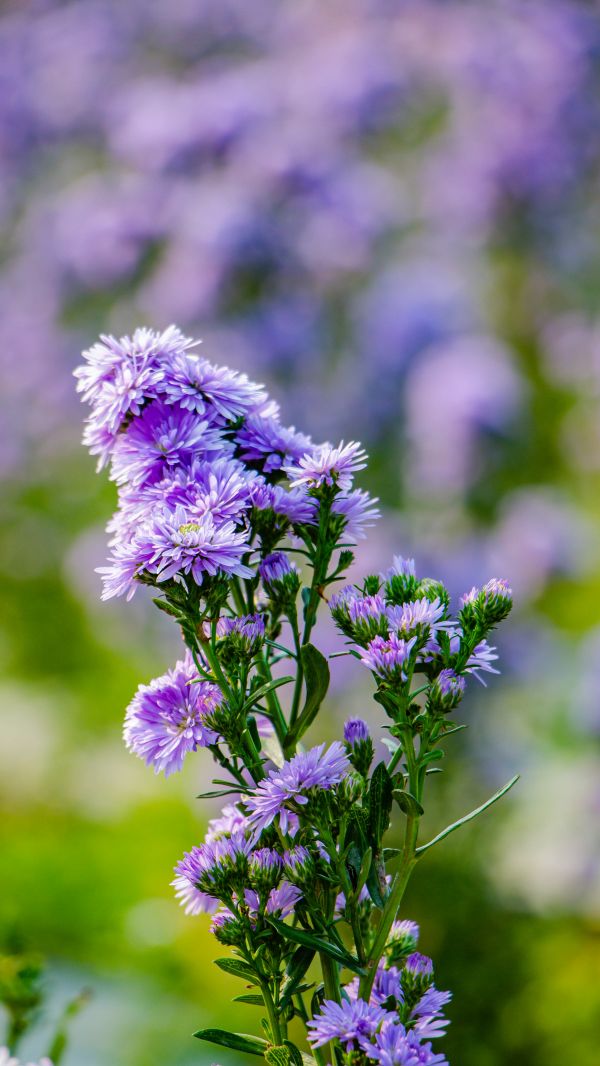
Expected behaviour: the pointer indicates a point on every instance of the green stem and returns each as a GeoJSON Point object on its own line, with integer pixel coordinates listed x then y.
{"type": "Point", "coordinates": [271, 1011]}
{"type": "Point", "coordinates": [293, 620]}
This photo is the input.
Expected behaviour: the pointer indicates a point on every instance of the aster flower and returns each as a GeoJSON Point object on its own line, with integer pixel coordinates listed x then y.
{"type": "Point", "coordinates": [166, 719]}
{"type": "Point", "coordinates": [266, 441]}
{"type": "Point", "coordinates": [358, 511]}
{"type": "Point", "coordinates": [367, 618]}
{"type": "Point", "coordinates": [326, 465]}
{"type": "Point", "coordinates": [447, 690]}
{"type": "Point", "coordinates": [388, 658]}
{"type": "Point", "coordinates": [230, 821]}
{"type": "Point", "coordinates": [347, 1022]}
{"type": "Point", "coordinates": [265, 868]}
{"type": "Point", "coordinates": [197, 385]}
{"type": "Point", "coordinates": [162, 437]}
{"type": "Point", "coordinates": [171, 545]}
{"type": "Point", "coordinates": [295, 505]}
{"type": "Point", "coordinates": [394, 1046]}
{"type": "Point", "coordinates": [243, 636]}
{"type": "Point", "coordinates": [494, 601]}
{"type": "Point", "coordinates": [481, 659]}
{"type": "Point", "coordinates": [216, 865]}
{"type": "Point", "coordinates": [298, 864]}
{"type": "Point", "coordinates": [191, 899]}
{"type": "Point", "coordinates": [403, 938]}
{"type": "Point", "coordinates": [317, 768]}
{"type": "Point", "coordinates": [414, 616]}
{"type": "Point", "coordinates": [356, 731]}
{"type": "Point", "coordinates": [426, 1017]}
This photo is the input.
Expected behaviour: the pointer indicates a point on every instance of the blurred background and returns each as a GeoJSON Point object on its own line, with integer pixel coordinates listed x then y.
{"type": "Point", "coordinates": [387, 211]}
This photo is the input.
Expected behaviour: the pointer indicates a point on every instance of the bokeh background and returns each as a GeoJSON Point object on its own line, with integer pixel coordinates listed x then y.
{"type": "Point", "coordinates": [386, 210]}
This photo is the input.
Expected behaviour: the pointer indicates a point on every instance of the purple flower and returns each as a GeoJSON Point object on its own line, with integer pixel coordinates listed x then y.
{"type": "Point", "coordinates": [356, 731]}
{"type": "Point", "coordinates": [330, 466]}
{"type": "Point", "coordinates": [347, 1022]}
{"type": "Point", "coordinates": [276, 567]}
{"type": "Point", "coordinates": [316, 768]}
{"type": "Point", "coordinates": [265, 868]}
{"type": "Point", "coordinates": [266, 441]}
{"type": "Point", "coordinates": [245, 634]}
{"type": "Point", "coordinates": [170, 545]}
{"type": "Point", "coordinates": [298, 864]}
{"type": "Point", "coordinates": [394, 1046]}
{"type": "Point", "coordinates": [400, 568]}
{"type": "Point", "coordinates": [367, 617]}
{"type": "Point", "coordinates": [358, 511]}
{"type": "Point", "coordinates": [166, 719]}
{"type": "Point", "coordinates": [426, 1018]}
{"type": "Point", "coordinates": [410, 617]}
{"type": "Point", "coordinates": [387, 658]}
{"type": "Point", "coordinates": [162, 437]}
{"type": "Point", "coordinates": [339, 605]}
{"type": "Point", "coordinates": [197, 385]}
{"type": "Point", "coordinates": [231, 821]}
{"type": "Point", "coordinates": [482, 657]}
{"type": "Point", "coordinates": [282, 900]}
{"type": "Point", "coordinates": [191, 899]}
{"type": "Point", "coordinates": [216, 864]}
{"type": "Point", "coordinates": [447, 690]}
{"type": "Point", "coordinates": [118, 376]}
{"type": "Point", "coordinates": [418, 966]}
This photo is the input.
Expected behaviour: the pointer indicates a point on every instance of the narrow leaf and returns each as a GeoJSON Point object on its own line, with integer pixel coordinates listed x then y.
{"type": "Point", "coordinates": [296, 1057]}
{"type": "Point", "coordinates": [278, 1056]}
{"type": "Point", "coordinates": [381, 793]}
{"type": "Point", "coordinates": [469, 817]}
{"type": "Point", "coordinates": [238, 969]}
{"type": "Point", "coordinates": [251, 1045]}
{"type": "Point", "coordinates": [263, 690]}
{"type": "Point", "coordinates": [316, 679]}
{"type": "Point", "coordinates": [433, 756]}
{"type": "Point", "coordinates": [310, 940]}
{"type": "Point", "coordinates": [252, 998]}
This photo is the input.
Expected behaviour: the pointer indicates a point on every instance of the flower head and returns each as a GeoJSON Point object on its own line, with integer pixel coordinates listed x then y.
{"type": "Point", "coordinates": [415, 616]}
{"type": "Point", "coordinates": [317, 768]}
{"type": "Point", "coordinates": [347, 1022]}
{"type": "Point", "coordinates": [163, 436]}
{"type": "Point", "coordinates": [328, 466]}
{"type": "Point", "coordinates": [388, 658]}
{"type": "Point", "coordinates": [197, 385]}
{"type": "Point", "coordinates": [393, 1045]}
{"type": "Point", "coordinates": [166, 719]}
{"type": "Point", "coordinates": [447, 690]}
{"type": "Point", "coordinates": [357, 511]}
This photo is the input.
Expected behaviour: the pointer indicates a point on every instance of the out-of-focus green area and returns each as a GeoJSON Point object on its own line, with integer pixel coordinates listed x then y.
{"type": "Point", "coordinates": [391, 218]}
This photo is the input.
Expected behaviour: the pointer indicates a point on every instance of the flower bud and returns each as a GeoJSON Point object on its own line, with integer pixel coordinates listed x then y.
{"type": "Point", "coordinates": [280, 579]}
{"type": "Point", "coordinates": [265, 868]}
{"type": "Point", "coordinates": [350, 789]}
{"type": "Point", "coordinates": [494, 601]}
{"type": "Point", "coordinates": [402, 939]}
{"type": "Point", "coordinates": [446, 692]}
{"type": "Point", "coordinates": [240, 638]}
{"type": "Point", "coordinates": [358, 744]}
{"type": "Point", "coordinates": [298, 865]}
{"type": "Point", "coordinates": [227, 928]}
{"type": "Point", "coordinates": [367, 618]}
{"type": "Point", "coordinates": [434, 590]}
{"type": "Point", "coordinates": [339, 605]}
{"type": "Point", "coordinates": [416, 977]}
{"type": "Point", "coordinates": [400, 581]}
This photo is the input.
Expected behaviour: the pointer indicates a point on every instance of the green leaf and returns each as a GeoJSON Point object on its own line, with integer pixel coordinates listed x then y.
{"type": "Point", "coordinates": [374, 887]}
{"type": "Point", "coordinates": [391, 853]}
{"type": "Point", "coordinates": [296, 1057]}
{"type": "Point", "coordinates": [469, 817]}
{"type": "Point", "coordinates": [363, 873]}
{"type": "Point", "coordinates": [250, 1045]}
{"type": "Point", "coordinates": [310, 940]}
{"type": "Point", "coordinates": [407, 802]}
{"type": "Point", "coordinates": [278, 1056]}
{"type": "Point", "coordinates": [432, 756]}
{"type": "Point", "coordinates": [238, 969]}
{"type": "Point", "coordinates": [218, 793]}
{"type": "Point", "coordinates": [381, 793]}
{"type": "Point", "coordinates": [295, 971]}
{"type": "Point", "coordinates": [316, 679]}
{"type": "Point", "coordinates": [251, 998]}
{"type": "Point", "coordinates": [263, 690]}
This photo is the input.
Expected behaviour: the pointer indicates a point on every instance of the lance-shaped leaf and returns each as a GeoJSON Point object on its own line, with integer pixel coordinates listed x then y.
{"type": "Point", "coordinates": [250, 1045]}
{"type": "Point", "coordinates": [469, 817]}
{"type": "Point", "coordinates": [238, 969]}
{"type": "Point", "coordinates": [381, 793]}
{"type": "Point", "coordinates": [253, 999]}
{"type": "Point", "coordinates": [263, 690]}
{"type": "Point", "coordinates": [311, 940]}
{"type": "Point", "coordinates": [316, 679]}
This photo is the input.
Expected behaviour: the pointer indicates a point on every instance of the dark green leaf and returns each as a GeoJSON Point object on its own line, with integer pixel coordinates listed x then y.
{"type": "Point", "coordinates": [469, 817]}
{"type": "Point", "coordinates": [353, 864]}
{"type": "Point", "coordinates": [250, 1045]}
{"type": "Point", "coordinates": [311, 940]}
{"type": "Point", "coordinates": [218, 794]}
{"type": "Point", "coordinates": [374, 887]}
{"type": "Point", "coordinates": [253, 731]}
{"type": "Point", "coordinates": [295, 1055]}
{"type": "Point", "coordinates": [407, 802]}
{"type": "Point", "coordinates": [380, 801]}
{"type": "Point", "coordinates": [278, 1056]}
{"type": "Point", "coordinates": [316, 679]}
{"type": "Point", "coordinates": [238, 969]}
{"type": "Point", "coordinates": [252, 998]}
{"type": "Point", "coordinates": [391, 853]}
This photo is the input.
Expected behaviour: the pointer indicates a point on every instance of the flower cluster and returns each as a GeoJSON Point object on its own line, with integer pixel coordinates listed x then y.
{"type": "Point", "coordinates": [215, 495]}
{"type": "Point", "coordinates": [198, 453]}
